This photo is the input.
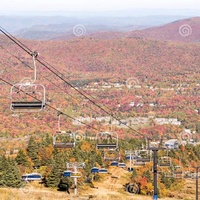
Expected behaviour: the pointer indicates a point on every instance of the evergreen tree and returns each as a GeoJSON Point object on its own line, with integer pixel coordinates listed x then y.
{"type": "Point", "coordinates": [11, 175]}
{"type": "Point", "coordinates": [59, 166]}
{"type": "Point", "coordinates": [46, 141]}
{"type": "Point", "coordinates": [53, 178]}
{"type": "Point", "coordinates": [99, 159]}
{"type": "Point", "coordinates": [32, 152]}
{"type": "Point", "coordinates": [21, 158]}
{"type": "Point", "coordinates": [3, 166]}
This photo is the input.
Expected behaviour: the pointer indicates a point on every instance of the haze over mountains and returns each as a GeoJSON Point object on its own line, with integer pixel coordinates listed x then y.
{"type": "Point", "coordinates": [95, 24]}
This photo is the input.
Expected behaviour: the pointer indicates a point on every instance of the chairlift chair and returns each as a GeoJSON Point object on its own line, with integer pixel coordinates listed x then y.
{"type": "Point", "coordinates": [103, 171]}
{"type": "Point", "coordinates": [27, 96]}
{"type": "Point", "coordinates": [76, 175]}
{"type": "Point", "coordinates": [63, 139]}
{"type": "Point", "coordinates": [32, 177]}
{"type": "Point", "coordinates": [168, 174]}
{"type": "Point", "coordinates": [141, 157]}
{"type": "Point", "coordinates": [114, 164]}
{"type": "Point", "coordinates": [67, 173]}
{"type": "Point", "coordinates": [139, 163]}
{"type": "Point", "coordinates": [79, 165]}
{"type": "Point", "coordinates": [122, 165]}
{"type": "Point", "coordinates": [62, 143]}
{"type": "Point", "coordinates": [94, 170]}
{"type": "Point", "coordinates": [178, 172]}
{"type": "Point", "coordinates": [107, 140]}
{"type": "Point", "coordinates": [190, 172]}
{"type": "Point", "coordinates": [164, 161]}
{"type": "Point", "coordinates": [128, 157]}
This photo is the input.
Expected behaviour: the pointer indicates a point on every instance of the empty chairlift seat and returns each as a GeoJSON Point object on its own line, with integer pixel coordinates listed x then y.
{"type": "Point", "coordinates": [76, 175]}
{"type": "Point", "coordinates": [128, 157]}
{"type": "Point", "coordinates": [27, 96]}
{"type": "Point", "coordinates": [129, 154]}
{"type": "Point", "coordinates": [32, 177]}
{"type": "Point", "coordinates": [114, 164]}
{"type": "Point", "coordinates": [164, 161]}
{"type": "Point", "coordinates": [107, 140]}
{"type": "Point", "coordinates": [103, 171]}
{"type": "Point", "coordinates": [27, 105]}
{"type": "Point", "coordinates": [95, 170]}
{"type": "Point", "coordinates": [63, 139]}
{"type": "Point", "coordinates": [142, 156]}
{"type": "Point", "coordinates": [67, 173]}
{"type": "Point", "coordinates": [122, 165]}
{"type": "Point", "coordinates": [27, 101]}
{"type": "Point", "coordinates": [64, 145]}
{"type": "Point", "coordinates": [178, 172]}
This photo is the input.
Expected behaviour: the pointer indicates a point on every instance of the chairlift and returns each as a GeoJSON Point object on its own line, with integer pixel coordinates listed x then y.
{"type": "Point", "coordinates": [103, 171]}
{"type": "Point", "coordinates": [67, 173]}
{"type": "Point", "coordinates": [77, 165]}
{"type": "Point", "coordinates": [94, 170]}
{"type": "Point", "coordinates": [194, 175]}
{"type": "Point", "coordinates": [141, 157]}
{"type": "Point", "coordinates": [114, 164]}
{"type": "Point", "coordinates": [128, 157]}
{"type": "Point", "coordinates": [178, 172]}
{"type": "Point", "coordinates": [32, 177]}
{"type": "Point", "coordinates": [164, 161]}
{"type": "Point", "coordinates": [190, 172]}
{"type": "Point", "coordinates": [76, 175]}
{"type": "Point", "coordinates": [107, 140]}
{"type": "Point", "coordinates": [63, 139]}
{"type": "Point", "coordinates": [122, 165]}
{"type": "Point", "coordinates": [27, 96]}
{"type": "Point", "coordinates": [168, 173]}
{"type": "Point", "coordinates": [139, 163]}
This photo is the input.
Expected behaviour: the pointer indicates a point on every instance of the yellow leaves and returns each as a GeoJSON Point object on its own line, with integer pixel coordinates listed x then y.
{"type": "Point", "coordinates": [145, 187]}
{"type": "Point", "coordinates": [162, 190]}
{"type": "Point", "coordinates": [85, 146]}
{"type": "Point", "coordinates": [46, 153]}
{"type": "Point", "coordinates": [72, 160]}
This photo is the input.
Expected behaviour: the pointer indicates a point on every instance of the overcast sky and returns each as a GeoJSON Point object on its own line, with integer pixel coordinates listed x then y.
{"type": "Point", "coordinates": [16, 6]}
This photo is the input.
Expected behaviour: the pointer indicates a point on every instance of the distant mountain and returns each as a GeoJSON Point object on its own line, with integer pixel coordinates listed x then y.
{"type": "Point", "coordinates": [50, 27]}
{"type": "Point", "coordinates": [186, 30]}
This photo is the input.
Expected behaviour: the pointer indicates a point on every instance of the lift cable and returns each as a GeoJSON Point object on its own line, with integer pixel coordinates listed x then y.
{"type": "Point", "coordinates": [27, 50]}
{"type": "Point", "coordinates": [74, 98]}
{"type": "Point", "coordinates": [55, 109]}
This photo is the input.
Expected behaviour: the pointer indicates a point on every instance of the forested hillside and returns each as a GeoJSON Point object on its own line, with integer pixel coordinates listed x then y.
{"type": "Point", "coordinates": [144, 90]}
